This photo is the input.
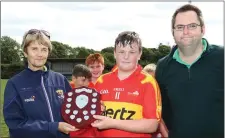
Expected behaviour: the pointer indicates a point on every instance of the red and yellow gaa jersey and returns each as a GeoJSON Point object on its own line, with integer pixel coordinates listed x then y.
{"type": "Point", "coordinates": [135, 97]}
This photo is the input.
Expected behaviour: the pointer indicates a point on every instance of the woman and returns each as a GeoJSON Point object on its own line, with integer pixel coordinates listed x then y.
{"type": "Point", "coordinates": [33, 98]}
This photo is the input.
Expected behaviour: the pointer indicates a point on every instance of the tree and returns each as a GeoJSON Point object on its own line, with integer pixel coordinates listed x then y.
{"type": "Point", "coordinates": [163, 51]}
{"type": "Point", "coordinates": [108, 49]}
{"type": "Point", "coordinates": [60, 50]}
{"type": "Point", "coordinates": [109, 60]}
{"type": "Point", "coordinates": [148, 56]}
{"type": "Point", "coordinates": [10, 51]}
{"type": "Point", "coordinates": [73, 53]}
{"type": "Point", "coordinates": [82, 52]}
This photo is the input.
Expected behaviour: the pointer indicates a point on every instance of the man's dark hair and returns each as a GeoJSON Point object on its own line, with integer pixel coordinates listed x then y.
{"type": "Point", "coordinates": [185, 8]}
{"type": "Point", "coordinates": [128, 38]}
{"type": "Point", "coordinates": [81, 70]}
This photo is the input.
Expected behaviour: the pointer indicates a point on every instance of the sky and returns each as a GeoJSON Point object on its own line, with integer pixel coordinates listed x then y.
{"type": "Point", "coordinates": [95, 25]}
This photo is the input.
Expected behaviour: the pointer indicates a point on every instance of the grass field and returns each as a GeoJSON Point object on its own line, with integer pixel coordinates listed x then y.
{"type": "Point", "coordinates": [4, 129]}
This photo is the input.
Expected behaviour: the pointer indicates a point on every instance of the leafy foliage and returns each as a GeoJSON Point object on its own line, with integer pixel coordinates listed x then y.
{"type": "Point", "coordinates": [11, 53]}
{"type": "Point", "coordinates": [10, 50]}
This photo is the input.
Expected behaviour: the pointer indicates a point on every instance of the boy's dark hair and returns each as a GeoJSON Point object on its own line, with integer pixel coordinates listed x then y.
{"type": "Point", "coordinates": [81, 70]}
{"type": "Point", "coordinates": [127, 38]}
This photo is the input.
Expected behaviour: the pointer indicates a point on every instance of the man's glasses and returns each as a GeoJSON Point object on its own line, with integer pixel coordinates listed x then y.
{"type": "Point", "coordinates": [191, 26]}
{"type": "Point", "coordinates": [34, 31]}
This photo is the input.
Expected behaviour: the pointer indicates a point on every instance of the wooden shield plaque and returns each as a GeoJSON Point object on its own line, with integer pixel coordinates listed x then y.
{"type": "Point", "coordinates": [80, 105]}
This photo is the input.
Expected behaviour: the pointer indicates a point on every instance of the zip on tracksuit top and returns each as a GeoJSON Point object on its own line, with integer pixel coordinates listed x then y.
{"type": "Point", "coordinates": [32, 102]}
{"type": "Point", "coordinates": [193, 95]}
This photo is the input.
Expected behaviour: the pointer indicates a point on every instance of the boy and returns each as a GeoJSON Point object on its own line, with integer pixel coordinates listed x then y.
{"type": "Point", "coordinates": [82, 79]}
{"type": "Point", "coordinates": [81, 76]}
{"type": "Point", "coordinates": [131, 96]}
{"type": "Point", "coordinates": [95, 63]}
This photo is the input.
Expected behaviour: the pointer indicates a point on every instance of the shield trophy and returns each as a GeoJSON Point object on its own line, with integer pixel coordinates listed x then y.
{"type": "Point", "coordinates": [80, 105]}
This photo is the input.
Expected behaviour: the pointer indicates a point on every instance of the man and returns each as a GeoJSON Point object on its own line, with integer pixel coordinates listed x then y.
{"type": "Point", "coordinates": [191, 79]}
{"type": "Point", "coordinates": [95, 63]}
{"type": "Point", "coordinates": [33, 98]}
{"type": "Point", "coordinates": [131, 97]}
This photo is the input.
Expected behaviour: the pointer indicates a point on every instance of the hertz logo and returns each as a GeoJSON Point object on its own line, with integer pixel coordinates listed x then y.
{"type": "Point", "coordinates": [122, 113]}
{"type": "Point", "coordinates": [123, 110]}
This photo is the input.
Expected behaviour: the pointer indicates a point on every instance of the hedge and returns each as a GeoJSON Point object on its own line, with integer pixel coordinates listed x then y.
{"type": "Point", "coordinates": [9, 70]}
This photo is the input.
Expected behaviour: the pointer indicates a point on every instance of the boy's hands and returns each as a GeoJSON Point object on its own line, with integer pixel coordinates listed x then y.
{"type": "Point", "coordinates": [103, 122]}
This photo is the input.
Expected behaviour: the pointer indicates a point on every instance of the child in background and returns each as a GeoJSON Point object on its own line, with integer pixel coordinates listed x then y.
{"type": "Point", "coordinates": [150, 68]}
{"type": "Point", "coordinates": [81, 76]}
{"type": "Point", "coordinates": [95, 63]}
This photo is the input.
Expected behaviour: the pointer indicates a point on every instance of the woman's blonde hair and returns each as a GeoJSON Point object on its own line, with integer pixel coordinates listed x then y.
{"type": "Point", "coordinates": [150, 68]}
{"type": "Point", "coordinates": [41, 36]}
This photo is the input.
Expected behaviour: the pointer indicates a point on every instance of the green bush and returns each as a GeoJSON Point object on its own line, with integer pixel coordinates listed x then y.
{"type": "Point", "coordinates": [9, 70]}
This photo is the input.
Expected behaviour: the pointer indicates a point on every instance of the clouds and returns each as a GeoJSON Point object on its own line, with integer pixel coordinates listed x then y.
{"type": "Point", "coordinates": [96, 24]}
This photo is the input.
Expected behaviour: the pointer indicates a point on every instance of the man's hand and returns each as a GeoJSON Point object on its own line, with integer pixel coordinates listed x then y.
{"type": "Point", "coordinates": [66, 128]}
{"type": "Point", "coordinates": [103, 122]}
